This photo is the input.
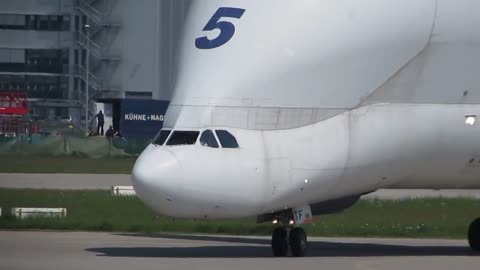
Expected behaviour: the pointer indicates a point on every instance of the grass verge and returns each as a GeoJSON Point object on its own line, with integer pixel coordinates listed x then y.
{"type": "Point", "coordinates": [35, 164]}
{"type": "Point", "coordinates": [99, 211]}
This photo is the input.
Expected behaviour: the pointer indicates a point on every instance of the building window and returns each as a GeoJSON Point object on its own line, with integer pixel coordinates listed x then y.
{"type": "Point", "coordinates": [35, 22]}
{"type": "Point", "coordinates": [12, 22]}
{"type": "Point", "coordinates": [12, 60]}
{"type": "Point", "coordinates": [42, 23]}
{"type": "Point", "coordinates": [47, 61]}
{"type": "Point", "coordinates": [77, 23]}
{"type": "Point", "coordinates": [43, 87]}
{"type": "Point", "coordinates": [65, 21]}
{"type": "Point", "coordinates": [54, 22]}
{"type": "Point", "coordinates": [30, 22]}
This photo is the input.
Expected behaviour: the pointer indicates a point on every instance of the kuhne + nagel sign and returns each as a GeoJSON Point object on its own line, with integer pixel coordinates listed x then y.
{"type": "Point", "coordinates": [142, 118]}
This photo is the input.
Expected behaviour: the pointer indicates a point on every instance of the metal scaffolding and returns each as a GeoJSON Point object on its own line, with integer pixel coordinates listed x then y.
{"type": "Point", "coordinates": [91, 37]}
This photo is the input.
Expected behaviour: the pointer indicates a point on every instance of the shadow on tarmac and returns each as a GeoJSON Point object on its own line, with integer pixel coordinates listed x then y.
{"type": "Point", "coordinates": [263, 249]}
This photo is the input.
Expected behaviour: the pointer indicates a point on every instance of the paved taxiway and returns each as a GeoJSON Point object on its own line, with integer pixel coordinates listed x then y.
{"type": "Point", "coordinates": [82, 250]}
{"type": "Point", "coordinates": [106, 181]}
{"type": "Point", "coordinates": [64, 181]}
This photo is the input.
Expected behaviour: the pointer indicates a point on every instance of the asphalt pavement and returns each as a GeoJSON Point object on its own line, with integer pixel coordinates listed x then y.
{"type": "Point", "coordinates": [106, 181]}
{"type": "Point", "coordinates": [62, 181]}
{"type": "Point", "coordinates": [86, 250]}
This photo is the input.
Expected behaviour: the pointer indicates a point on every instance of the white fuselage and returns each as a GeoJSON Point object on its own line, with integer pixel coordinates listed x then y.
{"type": "Point", "coordinates": [355, 96]}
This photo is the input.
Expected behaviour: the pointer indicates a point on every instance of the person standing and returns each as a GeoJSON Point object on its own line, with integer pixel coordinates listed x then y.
{"type": "Point", "coordinates": [100, 122]}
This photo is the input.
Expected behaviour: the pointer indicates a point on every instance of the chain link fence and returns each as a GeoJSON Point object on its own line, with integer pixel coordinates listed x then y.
{"type": "Point", "coordinates": [70, 145]}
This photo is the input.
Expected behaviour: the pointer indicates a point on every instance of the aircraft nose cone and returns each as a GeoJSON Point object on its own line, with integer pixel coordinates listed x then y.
{"type": "Point", "coordinates": [155, 176]}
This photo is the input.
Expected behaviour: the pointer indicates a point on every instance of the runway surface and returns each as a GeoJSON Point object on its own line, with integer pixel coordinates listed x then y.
{"type": "Point", "coordinates": [106, 181]}
{"type": "Point", "coordinates": [82, 250]}
{"type": "Point", "coordinates": [64, 181]}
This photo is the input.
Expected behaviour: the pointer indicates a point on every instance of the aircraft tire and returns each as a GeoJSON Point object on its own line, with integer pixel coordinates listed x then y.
{"type": "Point", "coordinates": [474, 235]}
{"type": "Point", "coordinates": [280, 242]}
{"type": "Point", "coordinates": [298, 242]}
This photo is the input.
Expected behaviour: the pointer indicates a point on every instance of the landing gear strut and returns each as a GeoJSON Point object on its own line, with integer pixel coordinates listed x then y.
{"type": "Point", "coordinates": [285, 237]}
{"type": "Point", "coordinates": [474, 235]}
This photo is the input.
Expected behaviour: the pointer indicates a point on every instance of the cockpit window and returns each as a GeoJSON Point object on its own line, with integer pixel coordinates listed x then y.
{"type": "Point", "coordinates": [183, 137]}
{"type": "Point", "coordinates": [161, 137]}
{"type": "Point", "coordinates": [227, 140]}
{"type": "Point", "coordinates": [208, 139]}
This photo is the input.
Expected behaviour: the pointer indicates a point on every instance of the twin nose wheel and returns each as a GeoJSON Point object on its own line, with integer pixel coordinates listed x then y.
{"type": "Point", "coordinates": [284, 238]}
{"type": "Point", "coordinates": [474, 235]}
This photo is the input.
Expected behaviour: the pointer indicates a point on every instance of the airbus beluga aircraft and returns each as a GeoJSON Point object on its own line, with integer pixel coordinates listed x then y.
{"type": "Point", "coordinates": [288, 109]}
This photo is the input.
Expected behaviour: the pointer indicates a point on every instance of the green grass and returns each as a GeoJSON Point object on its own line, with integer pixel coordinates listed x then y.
{"type": "Point", "coordinates": [36, 164]}
{"type": "Point", "coordinates": [99, 211]}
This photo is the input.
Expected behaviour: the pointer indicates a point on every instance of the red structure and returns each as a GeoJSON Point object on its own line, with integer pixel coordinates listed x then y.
{"type": "Point", "coordinates": [13, 103]}
{"type": "Point", "coordinates": [13, 108]}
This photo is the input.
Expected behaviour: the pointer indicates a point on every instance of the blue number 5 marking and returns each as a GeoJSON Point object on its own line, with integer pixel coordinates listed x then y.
{"type": "Point", "coordinates": [227, 29]}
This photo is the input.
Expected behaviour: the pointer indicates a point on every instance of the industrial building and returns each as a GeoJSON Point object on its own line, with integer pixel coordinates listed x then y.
{"type": "Point", "coordinates": [70, 55]}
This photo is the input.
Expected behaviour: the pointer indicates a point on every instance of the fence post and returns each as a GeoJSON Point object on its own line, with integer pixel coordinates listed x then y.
{"type": "Point", "coordinates": [66, 148]}
{"type": "Point", "coordinates": [109, 145]}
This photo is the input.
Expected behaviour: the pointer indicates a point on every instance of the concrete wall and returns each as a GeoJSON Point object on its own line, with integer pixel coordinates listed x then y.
{"type": "Point", "coordinates": [146, 43]}
{"type": "Point", "coordinates": [37, 7]}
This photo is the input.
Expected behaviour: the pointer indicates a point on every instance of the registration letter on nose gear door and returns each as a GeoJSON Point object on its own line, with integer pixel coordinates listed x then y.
{"type": "Point", "coordinates": [303, 215]}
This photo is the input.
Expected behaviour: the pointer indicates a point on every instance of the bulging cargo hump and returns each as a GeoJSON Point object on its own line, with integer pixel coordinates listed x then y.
{"type": "Point", "coordinates": [301, 62]}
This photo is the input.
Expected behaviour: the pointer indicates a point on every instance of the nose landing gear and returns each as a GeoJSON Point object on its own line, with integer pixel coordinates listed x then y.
{"type": "Point", "coordinates": [474, 235]}
{"type": "Point", "coordinates": [284, 238]}
{"type": "Point", "coordinates": [288, 237]}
